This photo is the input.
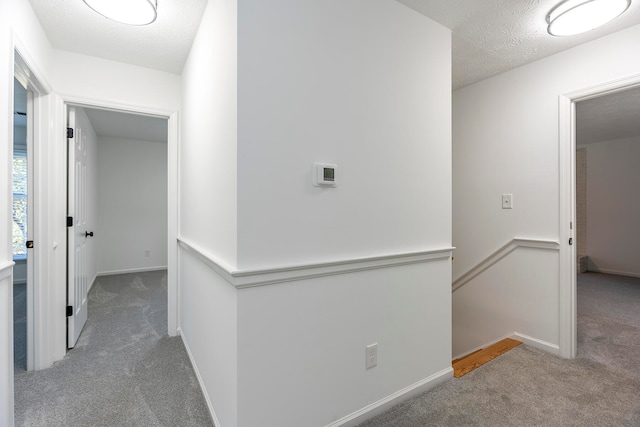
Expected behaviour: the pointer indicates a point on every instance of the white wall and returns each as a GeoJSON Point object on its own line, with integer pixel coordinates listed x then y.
{"type": "Point", "coordinates": [505, 134]}
{"type": "Point", "coordinates": [209, 134]}
{"type": "Point", "coordinates": [102, 80]}
{"type": "Point", "coordinates": [613, 209]}
{"type": "Point", "coordinates": [326, 95]}
{"type": "Point", "coordinates": [302, 344]}
{"type": "Point", "coordinates": [364, 84]}
{"type": "Point", "coordinates": [132, 205]}
{"type": "Point", "coordinates": [208, 204]}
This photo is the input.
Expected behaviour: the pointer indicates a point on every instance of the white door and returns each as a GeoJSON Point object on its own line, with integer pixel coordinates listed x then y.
{"type": "Point", "coordinates": [77, 233]}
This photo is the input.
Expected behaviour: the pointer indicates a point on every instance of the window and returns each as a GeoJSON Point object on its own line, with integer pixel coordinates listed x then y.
{"type": "Point", "coordinates": [19, 204]}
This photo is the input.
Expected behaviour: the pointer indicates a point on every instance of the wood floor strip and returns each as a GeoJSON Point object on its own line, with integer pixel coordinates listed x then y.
{"type": "Point", "coordinates": [478, 358]}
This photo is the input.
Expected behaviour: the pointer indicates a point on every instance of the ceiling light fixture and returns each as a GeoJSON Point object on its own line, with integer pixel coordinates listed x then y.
{"type": "Point", "coordinates": [138, 12]}
{"type": "Point", "coordinates": [578, 16]}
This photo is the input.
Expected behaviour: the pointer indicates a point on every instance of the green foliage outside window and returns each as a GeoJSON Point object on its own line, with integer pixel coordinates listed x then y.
{"type": "Point", "coordinates": [19, 204]}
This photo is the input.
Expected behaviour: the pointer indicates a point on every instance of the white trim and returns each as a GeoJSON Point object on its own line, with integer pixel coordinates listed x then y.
{"type": "Point", "coordinates": [393, 399]}
{"type": "Point", "coordinates": [173, 221]}
{"type": "Point", "coordinates": [123, 107]}
{"type": "Point", "coordinates": [568, 336]}
{"type": "Point", "coordinates": [526, 339]}
{"type": "Point", "coordinates": [6, 269]}
{"type": "Point", "coordinates": [567, 318]}
{"type": "Point", "coordinates": [205, 394]}
{"type": "Point", "coordinates": [537, 343]}
{"type": "Point", "coordinates": [39, 114]}
{"type": "Point", "coordinates": [501, 253]}
{"type": "Point", "coordinates": [592, 269]}
{"type": "Point", "coordinates": [131, 270]}
{"type": "Point", "coordinates": [280, 274]}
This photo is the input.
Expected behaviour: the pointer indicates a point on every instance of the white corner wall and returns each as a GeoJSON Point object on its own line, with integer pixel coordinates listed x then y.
{"type": "Point", "coordinates": [208, 207]}
{"type": "Point", "coordinates": [132, 205]}
{"type": "Point", "coordinates": [613, 177]}
{"type": "Point", "coordinates": [208, 150]}
{"type": "Point", "coordinates": [268, 90]}
{"type": "Point", "coordinates": [505, 140]}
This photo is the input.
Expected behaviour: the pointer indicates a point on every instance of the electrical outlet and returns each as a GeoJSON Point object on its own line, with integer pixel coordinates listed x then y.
{"type": "Point", "coordinates": [147, 253]}
{"type": "Point", "coordinates": [507, 201]}
{"type": "Point", "coordinates": [372, 355]}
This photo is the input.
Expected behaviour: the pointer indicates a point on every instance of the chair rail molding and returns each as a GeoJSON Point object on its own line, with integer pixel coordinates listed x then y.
{"type": "Point", "coordinates": [279, 274]}
{"type": "Point", "coordinates": [495, 257]}
{"type": "Point", "coordinates": [6, 269]}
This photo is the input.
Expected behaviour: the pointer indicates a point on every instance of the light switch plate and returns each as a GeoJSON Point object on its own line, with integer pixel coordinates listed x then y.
{"type": "Point", "coordinates": [507, 201]}
{"type": "Point", "coordinates": [372, 355]}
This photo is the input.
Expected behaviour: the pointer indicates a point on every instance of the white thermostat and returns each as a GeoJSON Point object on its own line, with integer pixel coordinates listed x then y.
{"type": "Point", "coordinates": [324, 175]}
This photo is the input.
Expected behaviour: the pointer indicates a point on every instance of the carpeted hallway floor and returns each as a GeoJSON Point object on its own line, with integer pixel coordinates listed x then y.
{"type": "Point", "coordinates": [125, 369]}
{"type": "Point", "coordinates": [528, 387]}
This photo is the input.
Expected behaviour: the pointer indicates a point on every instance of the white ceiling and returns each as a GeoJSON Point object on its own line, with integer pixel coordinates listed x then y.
{"type": "Point", "coordinates": [115, 124]}
{"type": "Point", "coordinates": [489, 37]}
{"type": "Point", "coordinates": [164, 45]}
{"type": "Point", "coordinates": [493, 36]}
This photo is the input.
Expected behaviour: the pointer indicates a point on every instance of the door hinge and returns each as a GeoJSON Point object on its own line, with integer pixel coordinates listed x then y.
{"type": "Point", "coordinates": [69, 132]}
{"type": "Point", "coordinates": [29, 244]}
{"type": "Point", "coordinates": [69, 221]}
{"type": "Point", "coordinates": [570, 241]}
{"type": "Point", "coordinates": [69, 310]}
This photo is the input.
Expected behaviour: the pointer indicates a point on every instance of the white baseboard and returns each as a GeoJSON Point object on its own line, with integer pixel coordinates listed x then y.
{"type": "Point", "coordinates": [540, 344]}
{"type": "Point", "coordinates": [593, 269]}
{"type": "Point", "coordinates": [132, 270]}
{"type": "Point", "coordinates": [390, 401]}
{"type": "Point", "coordinates": [207, 399]}
{"type": "Point", "coordinates": [526, 339]}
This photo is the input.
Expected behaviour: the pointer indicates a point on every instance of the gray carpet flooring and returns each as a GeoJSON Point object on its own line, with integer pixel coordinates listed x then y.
{"type": "Point", "coordinates": [529, 387]}
{"type": "Point", "coordinates": [20, 327]}
{"type": "Point", "coordinates": [125, 369]}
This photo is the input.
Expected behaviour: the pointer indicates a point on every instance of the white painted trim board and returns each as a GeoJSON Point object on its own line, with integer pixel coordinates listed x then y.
{"type": "Point", "coordinates": [131, 270]}
{"type": "Point", "coordinates": [394, 399]}
{"type": "Point", "coordinates": [241, 279]}
{"type": "Point", "coordinates": [205, 394]}
{"type": "Point", "coordinates": [499, 254]}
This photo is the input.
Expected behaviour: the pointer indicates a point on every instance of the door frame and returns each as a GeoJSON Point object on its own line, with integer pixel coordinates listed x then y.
{"type": "Point", "coordinates": [568, 336]}
{"type": "Point", "coordinates": [37, 260]}
{"type": "Point", "coordinates": [172, 190]}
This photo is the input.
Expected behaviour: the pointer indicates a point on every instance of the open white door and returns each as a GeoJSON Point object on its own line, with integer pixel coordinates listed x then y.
{"type": "Point", "coordinates": [77, 234]}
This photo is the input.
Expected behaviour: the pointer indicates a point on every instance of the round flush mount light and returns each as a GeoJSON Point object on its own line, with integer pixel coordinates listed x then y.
{"type": "Point", "coordinates": [578, 16]}
{"type": "Point", "coordinates": [130, 12]}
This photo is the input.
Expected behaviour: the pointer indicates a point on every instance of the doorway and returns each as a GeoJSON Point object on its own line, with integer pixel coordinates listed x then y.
{"type": "Point", "coordinates": [122, 224]}
{"type": "Point", "coordinates": [567, 217]}
{"type": "Point", "coordinates": [608, 150]}
{"type": "Point", "coordinates": [22, 224]}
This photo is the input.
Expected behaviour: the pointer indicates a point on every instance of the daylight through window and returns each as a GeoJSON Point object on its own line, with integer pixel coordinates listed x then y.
{"type": "Point", "coordinates": [19, 204]}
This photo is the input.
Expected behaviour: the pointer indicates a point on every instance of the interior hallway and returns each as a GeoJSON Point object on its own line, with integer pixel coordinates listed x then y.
{"type": "Point", "coordinates": [125, 369]}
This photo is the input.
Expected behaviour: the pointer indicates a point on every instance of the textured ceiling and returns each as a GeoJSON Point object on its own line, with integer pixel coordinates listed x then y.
{"type": "Point", "coordinates": [493, 36]}
{"type": "Point", "coordinates": [608, 117]}
{"type": "Point", "coordinates": [163, 45]}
